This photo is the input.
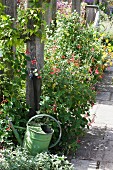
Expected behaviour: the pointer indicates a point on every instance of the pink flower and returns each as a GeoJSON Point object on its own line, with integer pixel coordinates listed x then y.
{"type": "Point", "coordinates": [93, 88]}
{"type": "Point", "coordinates": [96, 71]}
{"type": "Point", "coordinates": [72, 59]}
{"type": "Point", "coordinates": [93, 120]}
{"type": "Point", "coordinates": [86, 115]}
{"type": "Point", "coordinates": [55, 71]}
{"type": "Point", "coordinates": [92, 49]}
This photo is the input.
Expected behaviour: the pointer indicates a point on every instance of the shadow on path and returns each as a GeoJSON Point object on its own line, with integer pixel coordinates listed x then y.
{"type": "Point", "coordinates": [96, 146]}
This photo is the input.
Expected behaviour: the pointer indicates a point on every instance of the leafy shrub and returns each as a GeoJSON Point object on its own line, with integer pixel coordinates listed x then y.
{"type": "Point", "coordinates": [108, 51]}
{"type": "Point", "coordinates": [20, 160]}
{"type": "Point", "coordinates": [12, 81]}
{"type": "Point", "coordinates": [72, 68]}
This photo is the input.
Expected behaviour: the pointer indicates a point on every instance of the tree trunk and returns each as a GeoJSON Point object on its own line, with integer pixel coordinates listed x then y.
{"type": "Point", "coordinates": [54, 9]}
{"type": "Point", "coordinates": [76, 5]}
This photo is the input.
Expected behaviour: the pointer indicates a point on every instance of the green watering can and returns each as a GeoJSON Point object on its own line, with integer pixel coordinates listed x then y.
{"type": "Point", "coordinates": [37, 138]}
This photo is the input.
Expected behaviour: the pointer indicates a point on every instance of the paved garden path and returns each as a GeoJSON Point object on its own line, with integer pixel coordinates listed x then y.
{"type": "Point", "coordinates": [96, 147]}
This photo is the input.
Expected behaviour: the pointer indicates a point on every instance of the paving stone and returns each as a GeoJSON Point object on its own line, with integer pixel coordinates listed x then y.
{"type": "Point", "coordinates": [98, 124]}
{"type": "Point", "coordinates": [97, 149]}
{"type": "Point", "coordinates": [103, 96]}
{"type": "Point", "coordinates": [106, 166]}
{"type": "Point", "coordinates": [104, 114]}
{"type": "Point", "coordinates": [107, 79]}
{"type": "Point", "coordinates": [108, 155]}
{"type": "Point", "coordinates": [111, 97]}
{"type": "Point", "coordinates": [105, 88]}
{"type": "Point", "coordinates": [109, 134]}
{"type": "Point", "coordinates": [91, 148]}
{"type": "Point", "coordinates": [84, 164]}
{"type": "Point", "coordinates": [85, 149]}
{"type": "Point", "coordinates": [96, 132]}
{"type": "Point", "coordinates": [94, 109]}
{"type": "Point", "coordinates": [105, 102]}
{"type": "Point", "coordinates": [109, 69]}
{"type": "Point", "coordinates": [97, 145]}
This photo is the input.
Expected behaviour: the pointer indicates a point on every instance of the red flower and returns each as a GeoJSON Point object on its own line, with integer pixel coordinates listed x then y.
{"type": "Point", "coordinates": [63, 57]}
{"type": "Point", "coordinates": [72, 59]}
{"type": "Point", "coordinates": [27, 52]}
{"type": "Point", "coordinates": [8, 128]}
{"type": "Point", "coordinates": [79, 46]}
{"type": "Point", "coordinates": [54, 107]}
{"type": "Point", "coordinates": [78, 141]}
{"type": "Point", "coordinates": [93, 88]}
{"type": "Point", "coordinates": [18, 1]}
{"type": "Point", "coordinates": [4, 101]}
{"type": "Point", "coordinates": [92, 104]}
{"type": "Point", "coordinates": [55, 71]}
{"type": "Point", "coordinates": [0, 112]}
{"type": "Point", "coordinates": [39, 77]}
{"type": "Point", "coordinates": [100, 76]}
{"type": "Point", "coordinates": [33, 61]}
{"type": "Point", "coordinates": [96, 71]}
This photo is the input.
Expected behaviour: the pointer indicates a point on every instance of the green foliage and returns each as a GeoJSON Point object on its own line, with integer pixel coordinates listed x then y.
{"type": "Point", "coordinates": [19, 159]}
{"type": "Point", "coordinates": [72, 68]}
{"type": "Point", "coordinates": [14, 33]}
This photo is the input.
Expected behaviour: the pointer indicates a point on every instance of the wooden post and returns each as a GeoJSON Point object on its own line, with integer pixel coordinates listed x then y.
{"type": "Point", "coordinates": [11, 7]}
{"type": "Point", "coordinates": [33, 85]}
{"type": "Point", "coordinates": [91, 13]}
{"type": "Point", "coordinates": [76, 4]}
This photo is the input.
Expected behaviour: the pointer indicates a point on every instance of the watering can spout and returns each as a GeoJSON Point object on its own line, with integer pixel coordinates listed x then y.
{"type": "Point", "coordinates": [15, 132]}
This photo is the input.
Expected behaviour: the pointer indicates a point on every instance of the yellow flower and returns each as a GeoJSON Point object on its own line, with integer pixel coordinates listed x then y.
{"type": "Point", "coordinates": [109, 50]}
{"type": "Point", "coordinates": [111, 63]}
{"type": "Point", "coordinates": [112, 54]}
{"type": "Point", "coordinates": [65, 86]}
{"type": "Point", "coordinates": [53, 86]}
{"type": "Point", "coordinates": [104, 53]}
{"type": "Point", "coordinates": [109, 44]}
{"type": "Point", "coordinates": [107, 40]}
{"type": "Point", "coordinates": [102, 35]}
{"type": "Point", "coordinates": [105, 64]}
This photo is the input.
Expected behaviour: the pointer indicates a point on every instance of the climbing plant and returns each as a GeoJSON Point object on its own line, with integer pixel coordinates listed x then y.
{"type": "Point", "coordinates": [14, 34]}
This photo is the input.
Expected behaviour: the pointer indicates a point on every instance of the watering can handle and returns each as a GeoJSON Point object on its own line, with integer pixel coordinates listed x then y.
{"type": "Point", "coordinates": [45, 115]}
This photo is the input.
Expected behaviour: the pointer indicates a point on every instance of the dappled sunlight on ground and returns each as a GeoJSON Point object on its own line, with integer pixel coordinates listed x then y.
{"type": "Point", "coordinates": [96, 146]}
